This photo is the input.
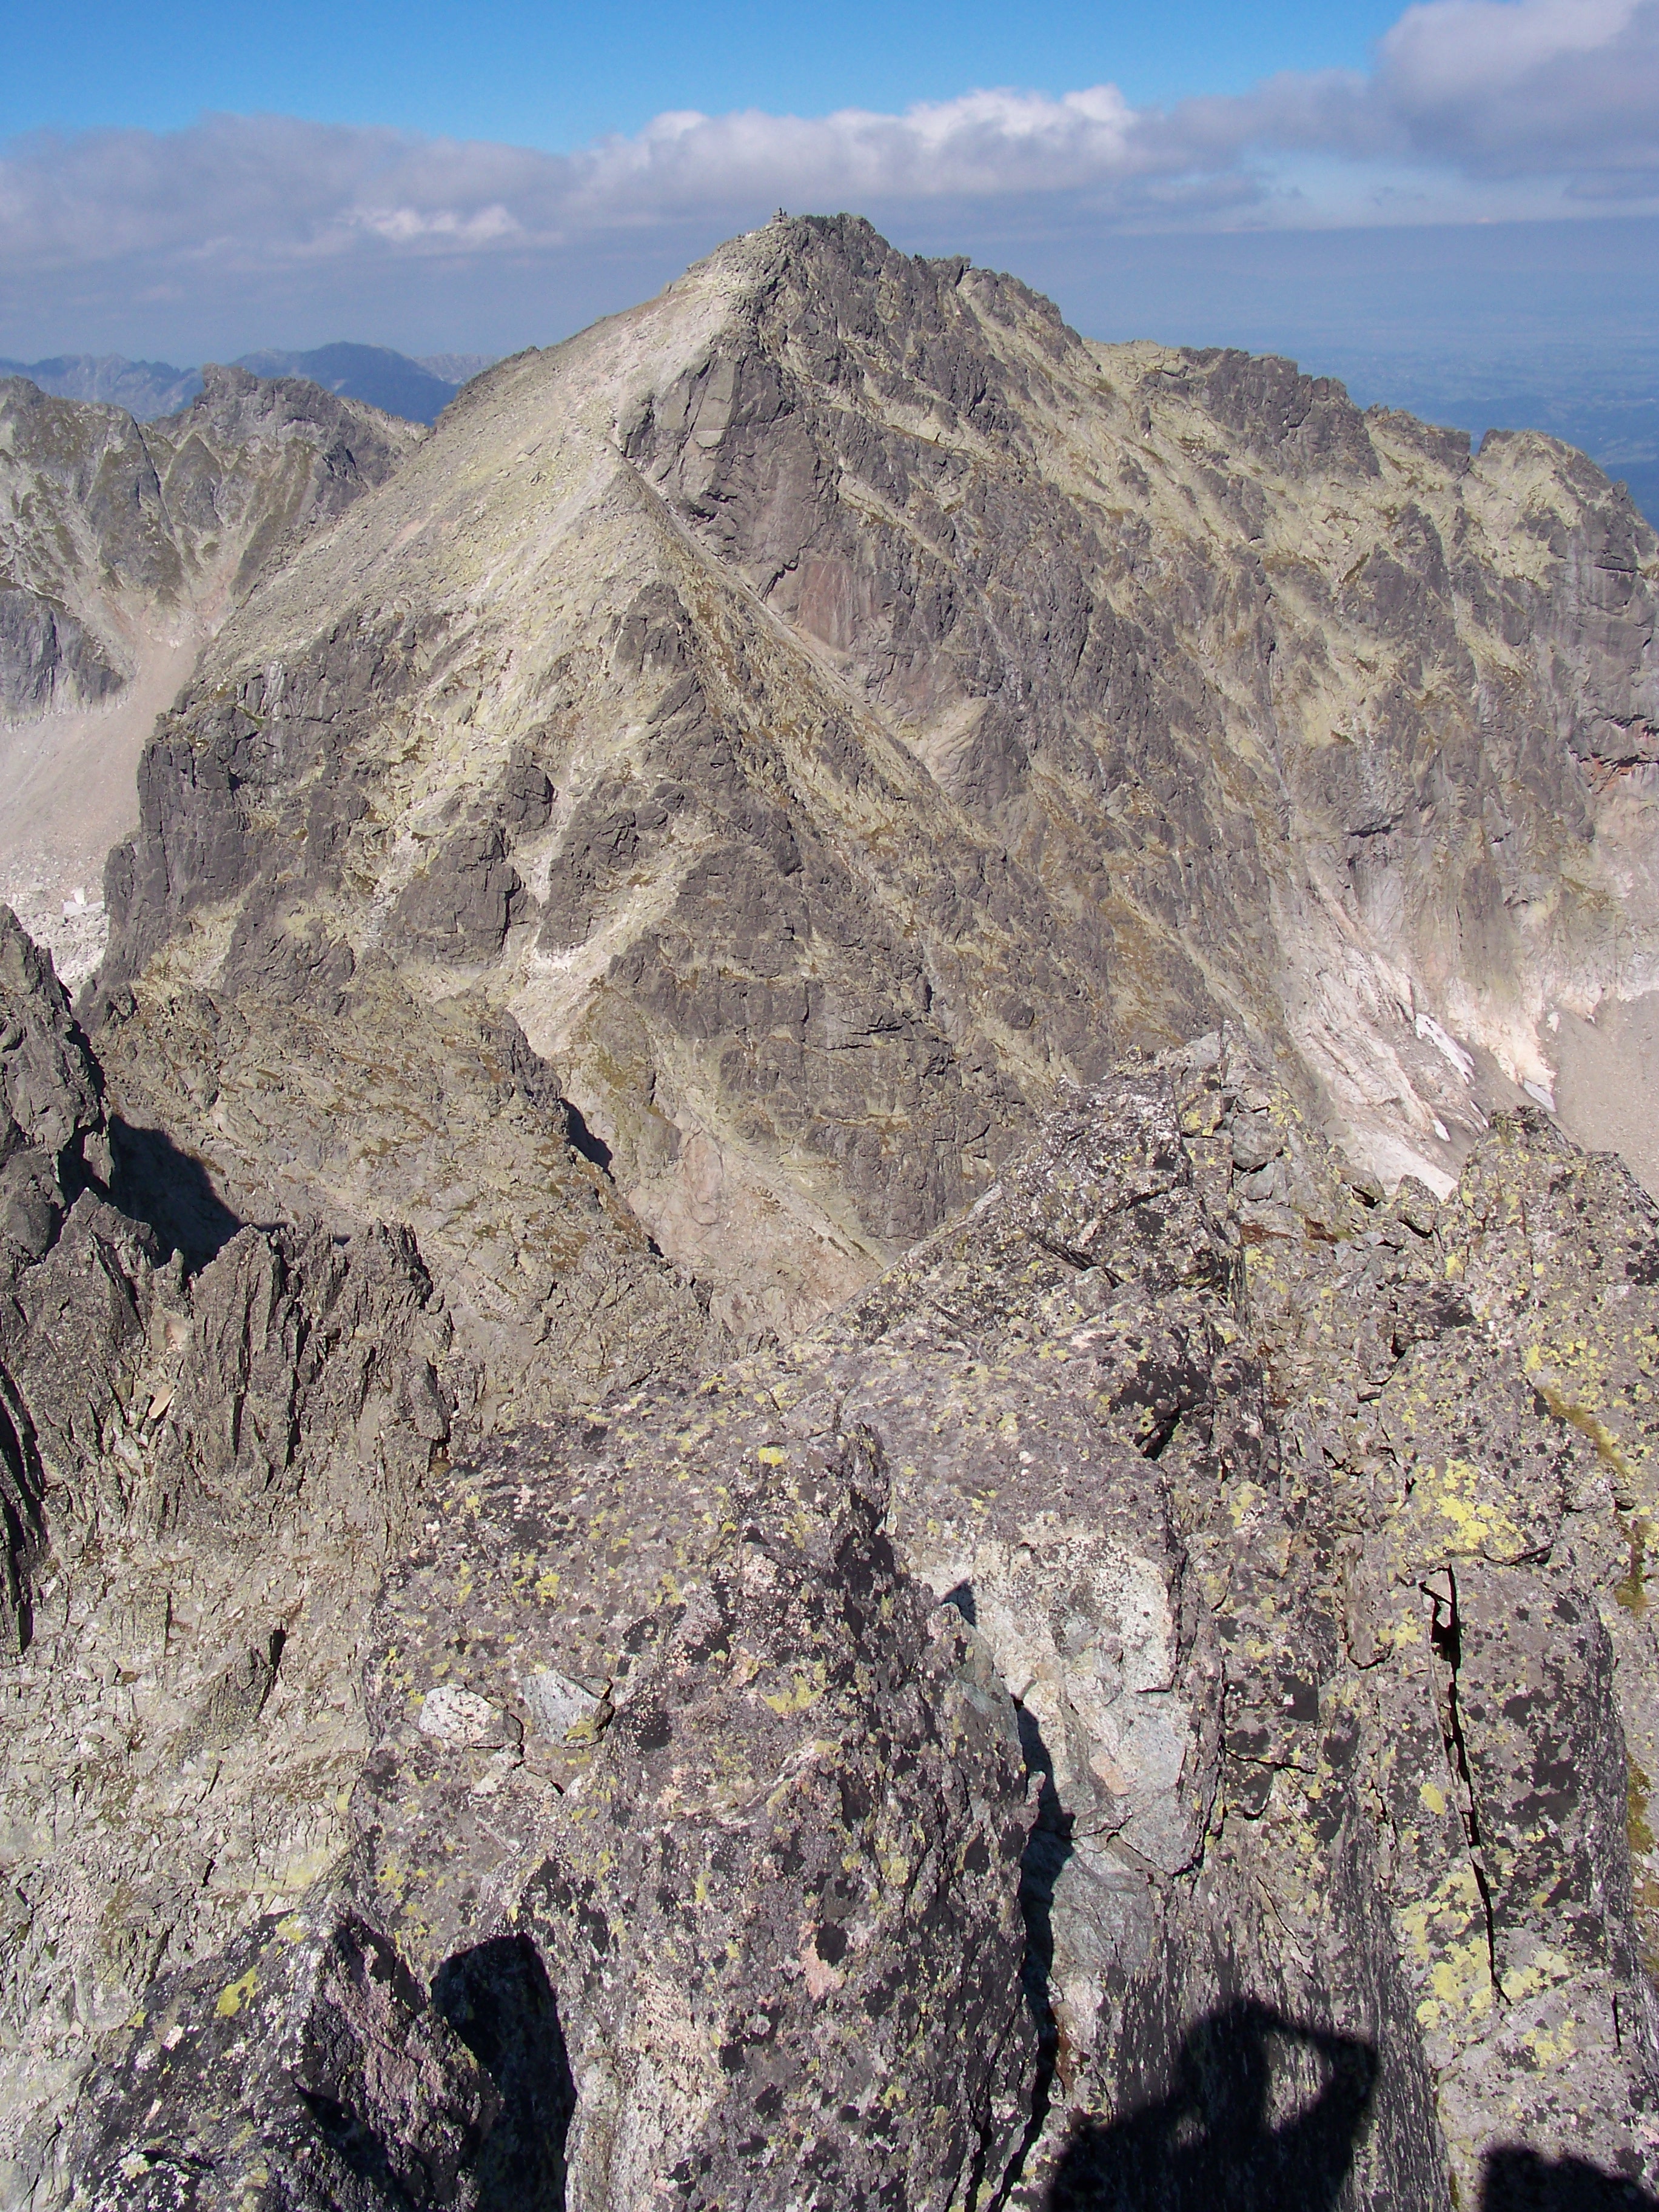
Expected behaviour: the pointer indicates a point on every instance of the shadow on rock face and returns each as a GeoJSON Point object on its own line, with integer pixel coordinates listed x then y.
{"type": "Point", "coordinates": [1520, 2181]}
{"type": "Point", "coordinates": [1046, 1850]}
{"type": "Point", "coordinates": [590, 1145]}
{"type": "Point", "coordinates": [498, 2000]}
{"type": "Point", "coordinates": [153, 1181]}
{"type": "Point", "coordinates": [1214, 2143]}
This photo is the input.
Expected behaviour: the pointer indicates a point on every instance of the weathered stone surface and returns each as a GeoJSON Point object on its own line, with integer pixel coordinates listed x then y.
{"type": "Point", "coordinates": [1153, 1696]}
{"type": "Point", "coordinates": [1290, 1634]}
{"type": "Point", "coordinates": [767, 1939]}
{"type": "Point", "coordinates": [316, 2075]}
{"type": "Point", "coordinates": [1303, 1583]}
{"type": "Point", "coordinates": [821, 1794]}
{"type": "Point", "coordinates": [123, 547]}
{"type": "Point", "coordinates": [835, 703]}
{"type": "Point", "coordinates": [213, 1437]}
{"type": "Point", "coordinates": [794, 1806]}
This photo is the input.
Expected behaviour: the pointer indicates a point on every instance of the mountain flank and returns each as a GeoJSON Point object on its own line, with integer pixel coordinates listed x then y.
{"type": "Point", "coordinates": [416, 389]}
{"type": "Point", "coordinates": [832, 705]}
{"type": "Point", "coordinates": [374, 374]}
{"type": "Point", "coordinates": [123, 546]}
{"type": "Point", "coordinates": [806, 1397]}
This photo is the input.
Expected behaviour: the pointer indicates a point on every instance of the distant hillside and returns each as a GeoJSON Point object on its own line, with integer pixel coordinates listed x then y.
{"type": "Point", "coordinates": [419, 391]}
{"type": "Point", "coordinates": [458, 368]}
{"type": "Point", "coordinates": [374, 374]}
{"type": "Point", "coordinates": [148, 389]}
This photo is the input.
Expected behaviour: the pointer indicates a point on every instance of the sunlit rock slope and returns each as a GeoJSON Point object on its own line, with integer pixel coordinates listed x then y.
{"type": "Point", "coordinates": [831, 704]}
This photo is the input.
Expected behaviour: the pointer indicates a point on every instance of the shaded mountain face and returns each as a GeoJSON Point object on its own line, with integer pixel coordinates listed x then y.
{"type": "Point", "coordinates": [123, 547]}
{"type": "Point", "coordinates": [373, 374]}
{"type": "Point", "coordinates": [832, 705]}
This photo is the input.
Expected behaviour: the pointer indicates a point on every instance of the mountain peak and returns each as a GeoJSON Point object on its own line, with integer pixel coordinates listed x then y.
{"type": "Point", "coordinates": [804, 1383]}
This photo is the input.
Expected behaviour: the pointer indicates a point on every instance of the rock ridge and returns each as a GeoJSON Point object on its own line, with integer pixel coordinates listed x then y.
{"type": "Point", "coordinates": [918, 703]}
{"type": "Point", "coordinates": [1174, 1651]}
{"type": "Point", "coordinates": [803, 1397]}
{"type": "Point", "coordinates": [123, 546]}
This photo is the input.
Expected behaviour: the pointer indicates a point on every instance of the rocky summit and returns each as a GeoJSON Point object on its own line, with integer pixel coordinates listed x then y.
{"type": "Point", "coordinates": [829, 1358]}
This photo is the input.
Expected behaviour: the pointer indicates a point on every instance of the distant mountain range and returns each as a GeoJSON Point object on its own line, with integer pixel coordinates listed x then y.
{"type": "Point", "coordinates": [1608, 408]}
{"type": "Point", "coordinates": [418, 390]}
{"type": "Point", "coordinates": [1605, 401]}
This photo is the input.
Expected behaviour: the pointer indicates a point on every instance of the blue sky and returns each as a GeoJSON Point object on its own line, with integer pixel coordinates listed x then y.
{"type": "Point", "coordinates": [555, 77]}
{"type": "Point", "coordinates": [193, 181]}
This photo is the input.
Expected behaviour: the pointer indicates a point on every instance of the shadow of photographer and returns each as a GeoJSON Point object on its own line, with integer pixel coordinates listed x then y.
{"type": "Point", "coordinates": [1265, 2115]}
{"type": "Point", "coordinates": [1214, 2144]}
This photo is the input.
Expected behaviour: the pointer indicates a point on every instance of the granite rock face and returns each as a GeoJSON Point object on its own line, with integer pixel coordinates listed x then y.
{"type": "Point", "coordinates": [832, 704]}
{"type": "Point", "coordinates": [123, 547]}
{"type": "Point", "coordinates": [1155, 1698]}
{"type": "Point", "coordinates": [361, 2094]}
{"type": "Point", "coordinates": [1312, 1572]}
{"type": "Point", "coordinates": [763, 1936]}
{"type": "Point", "coordinates": [672, 1530]}
{"type": "Point", "coordinates": [114, 525]}
{"type": "Point", "coordinates": [213, 1438]}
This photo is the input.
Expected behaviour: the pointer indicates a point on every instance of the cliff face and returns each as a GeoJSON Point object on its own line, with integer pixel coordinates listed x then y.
{"type": "Point", "coordinates": [829, 703]}
{"type": "Point", "coordinates": [123, 547]}
{"type": "Point", "coordinates": [215, 1437]}
{"type": "Point", "coordinates": [1130, 1677]}
{"type": "Point", "coordinates": [115, 525]}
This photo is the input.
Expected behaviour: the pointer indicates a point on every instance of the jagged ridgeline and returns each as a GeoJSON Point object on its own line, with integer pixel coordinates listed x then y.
{"type": "Point", "coordinates": [123, 547]}
{"type": "Point", "coordinates": [691, 1511]}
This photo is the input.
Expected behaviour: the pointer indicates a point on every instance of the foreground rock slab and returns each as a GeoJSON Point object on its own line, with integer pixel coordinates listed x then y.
{"type": "Point", "coordinates": [1155, 1698]}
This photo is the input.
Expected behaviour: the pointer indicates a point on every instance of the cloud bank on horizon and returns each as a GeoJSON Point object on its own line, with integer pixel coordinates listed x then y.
{"type": "Point", "coordinates": [1472, 109]}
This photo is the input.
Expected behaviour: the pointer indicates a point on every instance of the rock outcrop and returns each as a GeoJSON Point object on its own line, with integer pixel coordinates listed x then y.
{"type": "Point", "coordinates": [1301, 1527]}
{"type": "Point", "coordinates": [123, 547]}
{"type": "Point", "coordinates": [213, 1437]}
{"type": "Point", "coordinates": [690, 1509]}
{"type": "Point", "coordinates": [1157, 1698]}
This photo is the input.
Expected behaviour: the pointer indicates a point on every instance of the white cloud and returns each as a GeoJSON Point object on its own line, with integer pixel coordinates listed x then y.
{"type": "Point", "coordinates": [1448, 48]}
{"type": "Point", "coordinates": [239, 187]}
{"type": "Point", "coordinates": [1522, 87]}
{"type": "Point", "coordinates": [1560, 96]}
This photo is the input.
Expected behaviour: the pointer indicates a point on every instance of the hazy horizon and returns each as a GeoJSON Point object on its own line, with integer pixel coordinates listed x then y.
{"type": "Point", "coordinates": [1552, 326]}
{"type": "Point", "coordinates": [1453, 205]}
